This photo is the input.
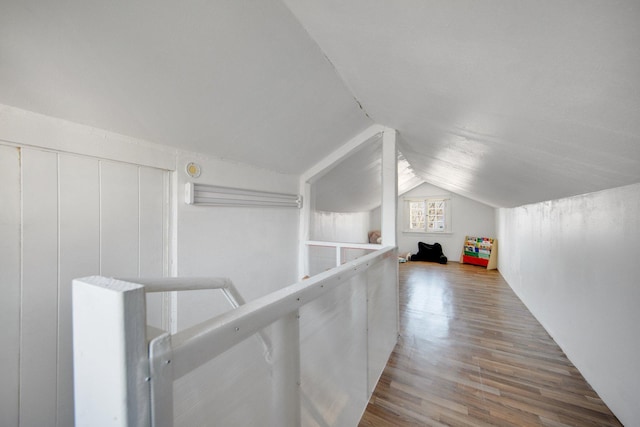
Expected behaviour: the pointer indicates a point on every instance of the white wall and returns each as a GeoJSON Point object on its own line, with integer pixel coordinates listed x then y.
{"type": "Point", "coordinates": [351, 227]}
{"type": "Point", "coordinates": [375, 219]}
{"type": "Point", "coordinates": [79, 201]}
{"type": "Point", "coordinates": [255, 247]}
{"type": "Point", "coordinates": [574, 264]}
{"type": "Point", "coordinates": [342, 227]}
{"type": "Point", "coordinates": [9, 285]}
{"type": "Point", "coordinates": [469, 218]}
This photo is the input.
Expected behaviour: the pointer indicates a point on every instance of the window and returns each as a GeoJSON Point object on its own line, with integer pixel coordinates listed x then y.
{"type": "Point", "coordinates": [428, 215]}
{"type": "Point", "coordinates": [416, 215]}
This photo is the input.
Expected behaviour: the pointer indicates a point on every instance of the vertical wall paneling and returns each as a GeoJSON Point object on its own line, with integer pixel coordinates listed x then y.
{"type": "Point", "coordinates": [39, 311]}
{"type": "Point", "coordinates": [64, 216]}
{"type": "Point", "coordinates": [119, 228]}
{"type": "Point", "coordinates": [9, 283]}
{"type": "Point", "coordinates": [152, 236]}
{"type": "Point", "coordinates": [79, 257]}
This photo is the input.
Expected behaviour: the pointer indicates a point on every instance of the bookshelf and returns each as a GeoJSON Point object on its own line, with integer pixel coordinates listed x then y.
{"type": "Point", "coordinates": [481, 251]}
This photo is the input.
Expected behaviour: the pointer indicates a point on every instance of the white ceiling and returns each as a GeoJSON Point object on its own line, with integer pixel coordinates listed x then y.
{"type": "Point", "coordinates": [355, 183]}
{"type": "Point", "coordinates": [506, 102]}
{"type": "Point", "coordinates": [234, 79]}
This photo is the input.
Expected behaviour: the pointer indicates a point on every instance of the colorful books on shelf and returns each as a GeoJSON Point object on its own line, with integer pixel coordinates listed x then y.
{"type": "Point", "coordinates": [480, 251]}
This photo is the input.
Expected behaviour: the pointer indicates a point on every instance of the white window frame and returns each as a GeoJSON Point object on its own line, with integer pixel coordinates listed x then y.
{"type": "Point", "coordinates": [426, 201]}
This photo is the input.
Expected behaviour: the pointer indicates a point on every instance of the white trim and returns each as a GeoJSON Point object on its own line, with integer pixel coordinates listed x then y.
{"type": "Point", "coordinates": [326, 164]}
{"type": "Point", "coordinates": [371, 246]}
{"type": "Point", "coordinates": [315, 172]}
{"type": "Point", "coordinates": [26, 129]}
{"type": "Point", "coordinates": [432, 233]}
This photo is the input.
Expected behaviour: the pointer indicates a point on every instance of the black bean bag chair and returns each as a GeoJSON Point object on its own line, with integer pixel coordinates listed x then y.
{"type": "Point", "coordinates": [427, 252]}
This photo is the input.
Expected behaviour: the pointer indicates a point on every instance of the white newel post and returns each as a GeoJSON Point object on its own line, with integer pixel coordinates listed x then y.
{"type": "Point", "coordinates": [111, 365]}
{"type": "Point", "coordinates": [389, 187]}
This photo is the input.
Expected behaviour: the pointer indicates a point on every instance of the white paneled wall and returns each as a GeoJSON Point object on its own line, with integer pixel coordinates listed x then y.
{"type": "Point", "coordinates": [79, 254]}
{"type": "Point", "coordinates": [69, 216]}
{"type": "Point", "coordinates": [39, 317]}
{"type": "Point", "coordinates": [153, 250]}
{"type": "Point", "coordinates": [9, 284]}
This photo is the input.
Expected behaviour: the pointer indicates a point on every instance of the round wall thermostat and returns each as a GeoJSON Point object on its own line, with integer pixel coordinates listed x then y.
{"type": "Point", "coordinates": [193, 170]}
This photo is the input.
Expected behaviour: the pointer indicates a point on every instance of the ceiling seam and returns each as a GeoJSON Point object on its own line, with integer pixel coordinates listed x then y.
{"type": "Point", "coordinates": [344, 82]}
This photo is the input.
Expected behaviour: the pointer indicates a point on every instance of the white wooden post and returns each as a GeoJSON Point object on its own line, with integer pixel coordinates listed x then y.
{"type": "Point", "coordinates": [304, 229]}
{"type": "Point", "coordinates": [161, 373]}
{"type": "Point", "coordinates": [389, 187]}
{"type": "Point", "coordinates": [315, 172]}
{"type": "Point", "coordinates": [111, 364]}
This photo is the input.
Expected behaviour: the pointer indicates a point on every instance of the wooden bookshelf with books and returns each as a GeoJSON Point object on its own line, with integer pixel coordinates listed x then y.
{"type": "Point", "coordinates": [481, 251]}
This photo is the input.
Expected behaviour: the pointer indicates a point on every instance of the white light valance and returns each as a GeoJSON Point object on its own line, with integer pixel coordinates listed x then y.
{"type": "Point", "coordinates": [213, 195]}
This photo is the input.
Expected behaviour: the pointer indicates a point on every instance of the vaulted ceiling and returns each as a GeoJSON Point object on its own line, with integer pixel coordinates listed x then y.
{"type": "Point", "coordinates": [506, 102]}
{"type": "Point", "coordinates": [234, 79]}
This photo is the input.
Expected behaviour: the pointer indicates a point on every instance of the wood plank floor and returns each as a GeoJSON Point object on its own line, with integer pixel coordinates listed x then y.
{"type": "Point", "coordinates": [471, 354]}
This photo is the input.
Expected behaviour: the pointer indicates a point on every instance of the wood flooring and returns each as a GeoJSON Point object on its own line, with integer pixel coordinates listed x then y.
{"type": "Point", "coordinates": [471, 354]}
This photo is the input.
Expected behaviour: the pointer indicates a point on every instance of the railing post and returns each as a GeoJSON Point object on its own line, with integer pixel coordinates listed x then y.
{"type": "Point", "coordinates": [161, 381]}
{"type": "Point", "coordinates": [389, 187]}
{"type": "Point", "coordinates": [111, 364]}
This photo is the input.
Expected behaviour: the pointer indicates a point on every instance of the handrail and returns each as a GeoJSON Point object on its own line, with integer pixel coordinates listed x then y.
{"type": "Point", "coordinates": [110, 335]}
{"type": "Point", "coordinates": [200, 343]}
{"type": "Point", "coordinates": [343, 245]}
{"type": "Point", "coordinates": [171, 284]}
{"type": "Point", "coordinates": [372, 246]}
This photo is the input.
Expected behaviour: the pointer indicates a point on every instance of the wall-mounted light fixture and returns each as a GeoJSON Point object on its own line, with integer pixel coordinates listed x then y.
{"type": "Point", "coordinates": [213, 195]}
{"type": "Point", "coordinates": [193, 170]}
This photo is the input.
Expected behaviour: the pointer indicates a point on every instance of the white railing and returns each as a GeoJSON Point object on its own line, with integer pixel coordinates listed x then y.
{"type": "Point", "coordinates": [340, 247]}
{"type": "Point", "coordinates": [327, 338]}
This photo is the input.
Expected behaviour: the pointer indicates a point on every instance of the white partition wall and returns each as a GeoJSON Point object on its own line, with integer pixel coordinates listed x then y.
{"type": "Point", "coordinates": [382, 317]}
{"type": "Point", "coordinates": [348, 195]}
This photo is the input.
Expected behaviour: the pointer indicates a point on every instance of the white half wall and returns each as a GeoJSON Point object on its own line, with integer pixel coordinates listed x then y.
{"type": "Point", "coordinates": [468, 218]}
{"type": "Point", "coordinates": [573, 262]}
